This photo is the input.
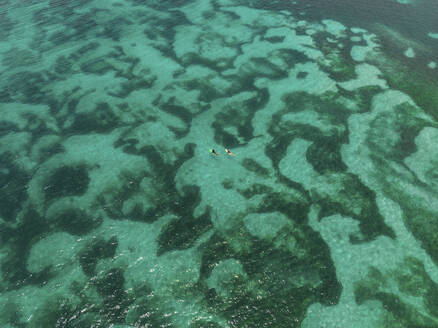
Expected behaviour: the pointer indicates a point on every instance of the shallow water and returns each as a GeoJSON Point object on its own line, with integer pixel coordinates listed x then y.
{"type": "Point", "coordinates": [114, 212]}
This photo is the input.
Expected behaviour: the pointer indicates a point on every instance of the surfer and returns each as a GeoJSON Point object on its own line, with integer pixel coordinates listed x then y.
{"type": "Point", "coordinates": [229, 152]}
{"type": "Point", "coordinates": [213, 152]}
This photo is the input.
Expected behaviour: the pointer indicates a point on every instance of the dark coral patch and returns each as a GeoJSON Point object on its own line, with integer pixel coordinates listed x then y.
{"type": "Point", "coordinates": [214, 250]}
{"type": "Point", "coordinates": [6, 25]}
{"type": "Point", "coordinates": [13, 181]}
{"type": "Point", "coordinates": [406, 120]}
{"type": "Point", "coordinates": [116, 300]}
{"type": "Point", "coordinates": [55, 312]}
{"type": "Point", "coordinates": [10, 313]}
{"type": "Point", "coordinates": [302, 75]}
{"type": "Point", "coordinates": [290, 205]}
{"type": "Point", "coordinates": [172, 108]}
{"type": "Point", "coordinates": [182, 233]}
{"type": "Point", "coordinates": [96, 66]}
{"type": "Point", "coordinates": [272, 294]}
{"type": "Point", "coordinates": [14, 271]}
{"type": "Point", "coordinates": [27, 87]}
{"type": "Point", "coordinates": [164, 198]}
{"type": "Point", "coordinates": [359, 202]}
{"type": "Point", "coordinates": [204, 324]}
{"type": "Point", "coordinates": [98, 249]}
{"type": "Point", "coordinates": [398, 311]}
{"type": "Point", "coordinates": [83, 24]}
{"type": "Point", "coordinates": [238, 117]}
{"type": "Point", "coordinates": [253, 166]}
{"type": "Point", "coordinates": [134, 83]}
{"type": "Point", "coordinates": [278, 284]}
{"type": "Point", "coordinates": [221, 136]}
{"type": "Point", "coordinates": [362, 97]}
{"type": "Point", "coordinates": [255, 189]}
{"type": "Point", "coordinates": [227, 184]}
{"type": "Point", "coordinates": [292, 57]}
{"type": "Point", "coordinates": [88, 47]}
{"type": "Point", "coordinates": [77, 222]}
{"type": "Point", "coordinates": [100, 120]}
{"type": "Point", "coordinates": [324, 155]}
{"type": "Point", "coordinates": [111, 283]}
{"type": "Point", "coordinates": [16, 57]}
{"type": "Point", "coordinates": [326, 105]}
{"type": "Point", "coordinates": [113, 28]}
{"type": "Point", "coordinates": [263, 67]}
{"type": "Point", "coordinates": [275, 39]}
{"type": "Point", "coordinates": [67, 181]}
{"type": "Point", "coordinates": [147, 302]}
{"type": "Point", "coordinates": [276, 149]}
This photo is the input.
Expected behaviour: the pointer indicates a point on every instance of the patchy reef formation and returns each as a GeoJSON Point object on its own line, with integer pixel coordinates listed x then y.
{"type": "Point", "coordinates": [114, 213]}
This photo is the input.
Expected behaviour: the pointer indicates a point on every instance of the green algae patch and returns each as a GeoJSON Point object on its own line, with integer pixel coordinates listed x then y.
{"type": "Point", "coordinates": [182, 233]}
{"type": "Point", "coordinates": [19, 240]}
{"type": "Point", "coordinates": [252, 165]}
{"type": "Point", "coordinates": [13, 179]}
{"type": "Point", "coordinates": [358, 100]}
{"type": "Point", "coordinates": [336, 63]}
{"type": "Point", "coordinates": [56, 311]}
{"type": "Point", "coordinates": [97, 249]}
{"type": "Point", "coordinates": [204, 324]}
{"type": "Point", "coordinates": [293, 205]}
{"type": "Point", "coordinates": [270, 291]}
{"type": "Point", "coordinates": [423, 89]}
{"type": "Point", "coordinates": [265, 226]}
{"type": "Point", "coordinates": [262, 280]}
{"type": "Point", "coordinates": [255, 189]}
{"type": "Point", "coordinates": [324, 155]}
{"type": "Point", "coordinates": [116, 300]}
{"type": "Point", "coordinates": [76, 221]}
{"type": "Point", "coordinates": [395, 289]}
{"type": "Point", "coordinates": [356, 200]}
{"type": "Point", "coordinates": [327, 105]}
{"type": "Point", "coordinates": [147, 310]}
{"type": "Point", "coordinates": [100, 120]}
{"type": "Point", "coordinates": [315, 127]}
{"type": "Point", "coordinates": [67, 181]}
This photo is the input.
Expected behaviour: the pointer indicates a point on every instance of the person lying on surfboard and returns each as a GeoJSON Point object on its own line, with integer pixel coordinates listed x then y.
{"type": "Point", "coordinates": [229, 152]}
{"type": "Point", "coordinates": [213, 152]}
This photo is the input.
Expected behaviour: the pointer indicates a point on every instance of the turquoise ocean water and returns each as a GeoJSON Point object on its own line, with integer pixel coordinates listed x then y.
{"type": "Point", "coordinates": [114, 213]}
